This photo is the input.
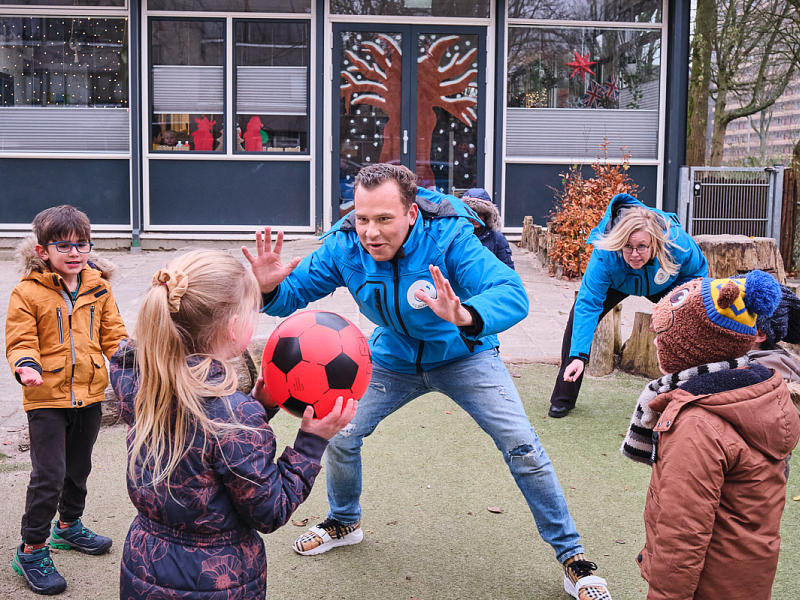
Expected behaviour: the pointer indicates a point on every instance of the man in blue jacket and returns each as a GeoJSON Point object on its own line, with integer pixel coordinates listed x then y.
{"type": "Point", "coordinates": [411, 261]}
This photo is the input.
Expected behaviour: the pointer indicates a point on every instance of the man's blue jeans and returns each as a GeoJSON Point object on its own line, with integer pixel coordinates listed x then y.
{"type": "Point", "coordinates": [482, 386]}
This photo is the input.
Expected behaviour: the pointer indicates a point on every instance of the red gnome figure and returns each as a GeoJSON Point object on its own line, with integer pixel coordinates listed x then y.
{"type": "Point", "coordinates": [203, 140]}
{"type": "Point", "coordinates": [252, 137]}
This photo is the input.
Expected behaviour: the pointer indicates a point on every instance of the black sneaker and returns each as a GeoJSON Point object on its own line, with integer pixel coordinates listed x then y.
{"type": "Point", "coordinates": [39, 571]}
{"type": "Point", "coordinates": [80, 538]}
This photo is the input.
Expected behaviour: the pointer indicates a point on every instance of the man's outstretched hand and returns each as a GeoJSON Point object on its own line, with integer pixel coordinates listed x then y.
{"type": "Point", "coordinates": [446, 304]}
{"type": "Point", "coordinates": [266, 264]}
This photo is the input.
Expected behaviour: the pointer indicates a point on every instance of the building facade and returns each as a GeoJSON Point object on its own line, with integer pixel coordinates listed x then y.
{"type": "Point", "coordinates": [215, 117]}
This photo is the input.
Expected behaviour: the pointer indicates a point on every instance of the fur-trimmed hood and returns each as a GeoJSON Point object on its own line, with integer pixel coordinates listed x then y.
{"type": "Point", "coordinates": [487, 211]}
{"type": "Point", "coordinates": [28, 261]}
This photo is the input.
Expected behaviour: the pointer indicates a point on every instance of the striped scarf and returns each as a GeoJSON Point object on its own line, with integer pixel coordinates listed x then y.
{"type": "Point", "coordinates": [638, 444]}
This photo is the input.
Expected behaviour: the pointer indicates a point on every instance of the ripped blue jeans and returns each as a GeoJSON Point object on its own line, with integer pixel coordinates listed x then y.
{"type": "Point", "coordinates": [482, 386]}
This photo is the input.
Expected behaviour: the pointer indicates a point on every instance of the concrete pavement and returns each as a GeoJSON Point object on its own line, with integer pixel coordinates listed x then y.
{"type": "Point", "coordinates": [535, 339]}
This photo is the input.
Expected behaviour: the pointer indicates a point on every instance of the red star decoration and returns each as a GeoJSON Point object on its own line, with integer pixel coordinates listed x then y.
{"type": "Point", "coordinates": [581, 65]}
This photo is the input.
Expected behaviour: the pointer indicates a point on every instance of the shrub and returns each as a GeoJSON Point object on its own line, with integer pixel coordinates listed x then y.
{"type": "Point", "coordinates": [580, 206]}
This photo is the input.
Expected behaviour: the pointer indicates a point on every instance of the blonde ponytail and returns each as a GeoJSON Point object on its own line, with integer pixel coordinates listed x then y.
{"type": "Point", "coordinates": [186, 312]}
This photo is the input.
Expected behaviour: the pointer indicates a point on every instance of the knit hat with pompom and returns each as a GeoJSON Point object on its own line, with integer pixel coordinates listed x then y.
{"type": "Point", "coordinates": [710, 320]}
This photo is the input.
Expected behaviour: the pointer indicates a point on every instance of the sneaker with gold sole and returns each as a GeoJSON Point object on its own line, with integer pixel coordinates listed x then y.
{"type": "Point", "coordinates": [580, 581]}
{"type": "Point", "coordinates": [327, 535]}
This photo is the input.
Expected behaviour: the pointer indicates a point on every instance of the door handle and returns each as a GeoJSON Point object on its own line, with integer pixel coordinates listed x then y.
{"type": "Point", "coordinates": [405, 141]}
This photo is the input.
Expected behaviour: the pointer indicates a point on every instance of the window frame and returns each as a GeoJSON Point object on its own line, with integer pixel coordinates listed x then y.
{"type": "Point", "coordinates": [229, 89]}
{"type": "Point", "coordinates": [570, 24]}
{"type": "Point", "coordinates": [150, 87]}
{"type": "Point", "coordinates": [234, 68]}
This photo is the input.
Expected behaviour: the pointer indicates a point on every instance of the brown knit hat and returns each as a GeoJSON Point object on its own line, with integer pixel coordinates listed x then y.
{"type": "Point", "coordinates": [710, 320]}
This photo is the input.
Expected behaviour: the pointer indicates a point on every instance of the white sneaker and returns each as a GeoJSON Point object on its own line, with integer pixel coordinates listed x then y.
{"type": "Point", "coordinates": [327, 535]}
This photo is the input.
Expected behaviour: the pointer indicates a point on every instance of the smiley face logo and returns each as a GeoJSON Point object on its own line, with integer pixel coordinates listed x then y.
{"type": "Point", "coordinates": [425, 286]}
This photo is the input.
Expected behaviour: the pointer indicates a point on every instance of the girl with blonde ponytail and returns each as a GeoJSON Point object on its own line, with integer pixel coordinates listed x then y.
{"type": "Point", "coordinates": [201, 456]}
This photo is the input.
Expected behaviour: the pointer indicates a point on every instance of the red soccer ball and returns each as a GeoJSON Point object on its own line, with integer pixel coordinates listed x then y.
{"type": "Point", "coordinates": [314, 357]}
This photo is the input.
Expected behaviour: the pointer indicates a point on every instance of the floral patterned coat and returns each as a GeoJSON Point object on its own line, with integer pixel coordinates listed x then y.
{"type": "Point", "coordinates": [198, 536]}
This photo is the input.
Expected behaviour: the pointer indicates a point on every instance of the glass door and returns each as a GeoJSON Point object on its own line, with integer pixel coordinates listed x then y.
{"type": "Point", "coordinates": [427, 114]}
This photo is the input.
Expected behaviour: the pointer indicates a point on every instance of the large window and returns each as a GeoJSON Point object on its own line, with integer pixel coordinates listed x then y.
{"type": "Point", "coordinates": [624, 11]}
{"type": "Point", "coordinates": [272, 86]}
{"type": "Point", "coordinates": [64, 84]}
{"type": "Point", "coordinates": [188, 83]}
{"type": "Point", "coordinates": [189, 112]}
{"type": "Point", "coordinates": [570, 88]}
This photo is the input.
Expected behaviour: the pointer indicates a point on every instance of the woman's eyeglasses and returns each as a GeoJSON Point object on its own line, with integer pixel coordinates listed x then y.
{"type": "Point", "coordinates": [82, 247]}
{"type": "Point", "coordinates": [640, 249]}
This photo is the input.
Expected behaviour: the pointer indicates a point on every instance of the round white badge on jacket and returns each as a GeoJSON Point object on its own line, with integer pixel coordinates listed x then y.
{"type": "Point", "coordinates": [661, 276]}
{"type": "Point", "coordinates": [425, 286]}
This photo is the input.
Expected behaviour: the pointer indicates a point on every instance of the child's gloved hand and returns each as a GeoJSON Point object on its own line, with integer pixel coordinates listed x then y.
{"type": "Point", "coordinates": [260, 393]}
{"type": "Point", "coordinates": [332, 423]}
{"type": "Point", "coordinates": [29, 376]}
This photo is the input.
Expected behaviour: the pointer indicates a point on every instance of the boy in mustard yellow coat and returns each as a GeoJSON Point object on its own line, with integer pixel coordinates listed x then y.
{"type": "Point", "coordinates": [61, 320]}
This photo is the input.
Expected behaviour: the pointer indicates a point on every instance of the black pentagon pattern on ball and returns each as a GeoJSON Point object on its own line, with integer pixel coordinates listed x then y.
{"type": "Point", "coordinates": [332, 320]}
{"type": "Point", "coordinates": [287, 355]}
{"type": "Point", "coordinates": [341, 372]}
{"type": "Point", "coordinates": [294, 406]}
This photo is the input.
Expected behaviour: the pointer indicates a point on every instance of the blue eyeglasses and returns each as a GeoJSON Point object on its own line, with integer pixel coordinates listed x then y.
{"type": "Point", "coordinates": [82, 247]}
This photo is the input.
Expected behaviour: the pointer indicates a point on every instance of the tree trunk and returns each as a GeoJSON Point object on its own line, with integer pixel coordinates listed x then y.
{"type": "Point", "coordinates": [720, 125]}
{"type": "Point", "coordinates": [699, 82]}
{"type": "Point", "coordinates": [639, 352]}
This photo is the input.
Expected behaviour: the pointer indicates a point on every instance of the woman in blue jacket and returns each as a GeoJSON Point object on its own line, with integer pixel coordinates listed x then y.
{"type": "Point", "coordinates": [638, 251]}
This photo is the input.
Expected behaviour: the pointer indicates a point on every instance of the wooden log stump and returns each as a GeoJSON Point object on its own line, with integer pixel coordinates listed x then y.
{"type": "Point", "coordinates": [639, 352]}
{"type": "Point", "coordinates": [731, 254]}
{"type": "Point", "coordinates": [605, 344]}
{"type": "Point", "coordinates": [528, 233]}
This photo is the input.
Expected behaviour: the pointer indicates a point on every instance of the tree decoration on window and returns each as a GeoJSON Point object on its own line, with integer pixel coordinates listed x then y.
{"type": "Point", "coordinates": [378, 85]}
{"type": "Point", "coordinates": [438, 86]}
{"type": "Point", "coordinates": [442, 86]}
{"type": "Point", "coordinates": [581, 65]}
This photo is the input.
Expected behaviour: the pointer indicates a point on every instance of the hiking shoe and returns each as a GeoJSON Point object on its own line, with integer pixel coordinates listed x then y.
{"type": "Point", "coordinates": [39, 571]}
{"type": "Point", "coordinates": [580, 581]}
{"type": "Point", "coordinates": [328, 534]}
{"type": "Point", "coordinates": [80, 538]}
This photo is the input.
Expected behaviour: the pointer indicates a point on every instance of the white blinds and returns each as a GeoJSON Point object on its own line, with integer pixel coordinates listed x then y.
{"type": "Point", "coordinates": [188, 89]}
{"type": "Point", "coordinates": [64, 129]}
{"type": "Point", "coordinates": [271, 90]}
{"type": "Point", "coordinates": [576, 133]}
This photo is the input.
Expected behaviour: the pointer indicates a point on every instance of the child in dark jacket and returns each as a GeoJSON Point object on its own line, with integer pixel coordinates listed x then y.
{"type": "Point", "coordinates": [202, 470]}
{"type": "Point", "coordinates": [716, 430]}
{"type": "Point", "coordinates": [489, 233]}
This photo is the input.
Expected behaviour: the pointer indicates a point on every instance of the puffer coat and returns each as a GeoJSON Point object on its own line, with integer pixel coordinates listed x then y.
{"type": "Point", "coordinates": [197, 536]}
{"type": "Point", "coordinates": [718, 489]}
{"type": "Point", "coordinates": [64, 340]}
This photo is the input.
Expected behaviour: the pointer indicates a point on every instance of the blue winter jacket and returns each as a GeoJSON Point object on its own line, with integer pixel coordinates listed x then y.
{"type": "Point", "coordinates": [497, 243]}
{"type": "Point", "coordinates": [409, 337]}
{"type": "Point", "coordinates": [608, 270]}
{"type": "Point", "coordinates": [197, 537]}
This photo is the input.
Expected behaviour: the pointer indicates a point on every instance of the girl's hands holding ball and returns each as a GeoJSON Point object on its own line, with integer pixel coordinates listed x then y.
{"type": "Point", "coordinates": [332, 423]}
